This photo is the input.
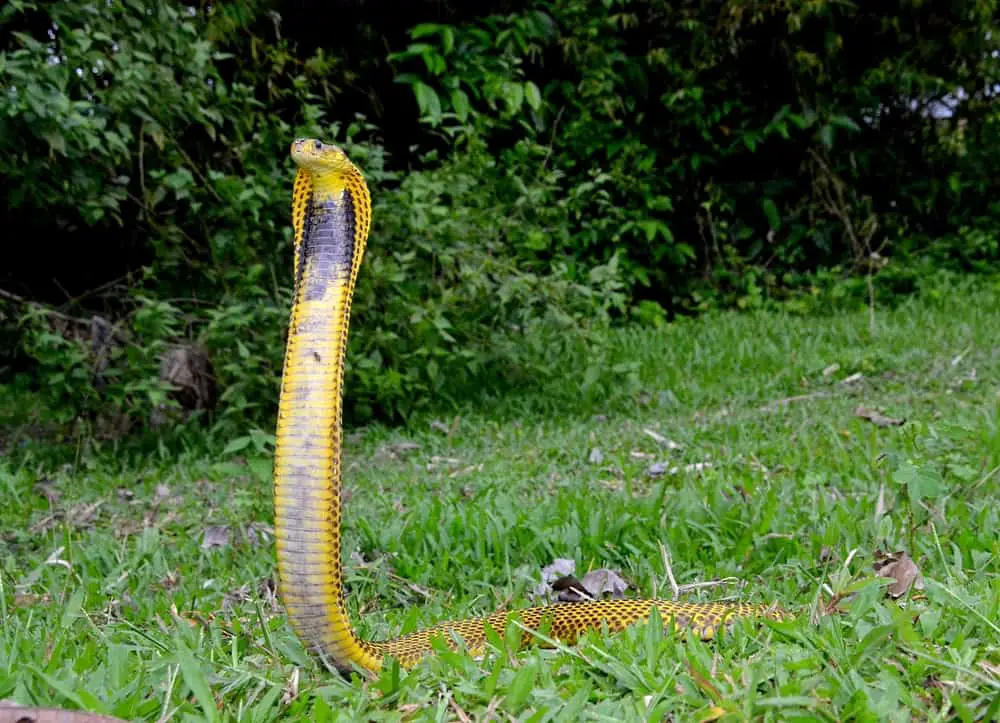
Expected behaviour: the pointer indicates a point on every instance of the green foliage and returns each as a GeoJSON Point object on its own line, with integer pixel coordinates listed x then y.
{"type": "Point", "coordinates": [538, 169]}
{"type": "Point", "coordinates": [442, 306]}
{"type": "Point", "coordinates": [725, 139]}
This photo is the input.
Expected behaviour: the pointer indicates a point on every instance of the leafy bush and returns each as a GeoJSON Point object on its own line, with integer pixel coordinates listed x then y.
{"type": "Point", "coordinates": [722, 142]}
{"type": "Point", "coordinates": [547, 168]}
{"type": "Point", "coordinates": [443, 302]}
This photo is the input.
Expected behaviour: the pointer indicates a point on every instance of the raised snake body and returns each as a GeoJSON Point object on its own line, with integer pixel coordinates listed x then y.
{"type": "Point", "coordinates": [331, 216]}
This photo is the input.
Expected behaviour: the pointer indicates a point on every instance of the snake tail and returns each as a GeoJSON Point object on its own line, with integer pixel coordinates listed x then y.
{"type": "Point", "coordinates": [331, 218]}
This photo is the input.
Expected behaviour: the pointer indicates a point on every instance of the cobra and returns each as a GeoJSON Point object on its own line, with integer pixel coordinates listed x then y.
{"type": "Point", "coordinates": [331, 217]}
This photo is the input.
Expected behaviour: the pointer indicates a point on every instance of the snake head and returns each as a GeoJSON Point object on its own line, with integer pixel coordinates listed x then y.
{"type": "Point", "coordinates": [318, 157]}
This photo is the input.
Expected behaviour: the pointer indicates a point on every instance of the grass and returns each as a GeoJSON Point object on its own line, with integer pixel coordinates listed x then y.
{"type": "Point", "coordinates": [110, 602]}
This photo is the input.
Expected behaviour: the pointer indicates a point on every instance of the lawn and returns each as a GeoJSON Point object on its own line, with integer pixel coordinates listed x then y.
{"type": "Point", "coordinates": [141, 585]}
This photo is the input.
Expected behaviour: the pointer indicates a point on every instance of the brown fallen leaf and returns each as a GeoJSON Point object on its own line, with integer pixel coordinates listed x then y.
{"type": "Point", "coordinates": [30, 599]}
{"type": "Point", "coordinates": [991, 668]}
{"type": "Point", "coordinates": [560, 567]}
{"type": "Point", "coordinates": [601, 581]}
{"type": "Point", "coordinates": [437, 461]}
{"type": "Point", "coordinates": [291, 689]}
{"type": "Point", "coordinates": [170, 580]}
{"type": "Point", "coordinates": [394, 450]}
{"type": "Point", "coordinates": [466, 470]}
{"type": "Point", "coordinates": [786, 401]}
{"type": "Point", "coordinates": [235, 597]}
{"type": "Point", "coordinates": [48, 489]}
{"type": "Point", "coordinates": [668, 443]}
{"type": "Point", "coordinates": [877, 418]}
{"type": "Point", "coordinates": [11, 712]}
{"type": "Point", "coordinates": [267, 589]}
{"type": "Point", "coordinates": [215, 536]}
{"type": "Point", "coordinates": [444, 428]}
{"type": "Point", "coordinates": [899, 567]}
{"type": "Point", "coordinates": [258, 533]}
{"type": "Point", "coordinates": [660, 468]}
{"type": "Point", "coordinates": [569, 589]}
{"type": "Point", "coordinates": [594, 585]}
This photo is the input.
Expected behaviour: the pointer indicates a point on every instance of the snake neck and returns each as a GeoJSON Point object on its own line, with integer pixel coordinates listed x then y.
{"type": "Point", "coordinates": [308, 448]}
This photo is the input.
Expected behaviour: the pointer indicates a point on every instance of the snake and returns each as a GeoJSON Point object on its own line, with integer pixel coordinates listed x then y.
{"type": "Point", "coordinates": [331, 213]}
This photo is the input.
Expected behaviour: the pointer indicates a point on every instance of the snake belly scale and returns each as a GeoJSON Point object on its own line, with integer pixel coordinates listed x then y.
{"type": "Point", "coordinates": [331, 217]}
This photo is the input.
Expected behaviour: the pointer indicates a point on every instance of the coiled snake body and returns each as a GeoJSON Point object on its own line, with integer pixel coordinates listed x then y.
{"type": "Point", "coordinates": [331, 216]}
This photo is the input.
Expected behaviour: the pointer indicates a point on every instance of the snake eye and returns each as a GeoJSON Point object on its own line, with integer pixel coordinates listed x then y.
{"type": "Point", "coordinates": [319, 145]}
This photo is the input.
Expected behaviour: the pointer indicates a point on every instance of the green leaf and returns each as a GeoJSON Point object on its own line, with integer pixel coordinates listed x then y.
{"type": "Point", "coordinates": [826, 135]}
{"type": "Point", "coordinates": [447, 39]}
{"type": "Point", "coordinates": [236, 445]}
{"type": "Point", "coordinates": [513, 96]}
{"type": "Point", "coordinates": [521, 686]}
{"type": "Point", "coordinates": [771, 211]}
{"type": "Point", "coordinates": [195, 679]}
{"type": "Point", "coordinates": [423, 30]}
{"type": "Point", "coordinates": [532, 95]}
{"type": "Point", "coordinates": [460, 103]}
{"type": "Point", "coordinates": [427, 99]}
{"type": "Point", "coordinates": [843, 121]}
{"type": "Point", "coordinates": [72, 608]}
{"type": "Point", "coordinates": [56, 142]}
{"type": "Point", "coordinates": [920, 482]}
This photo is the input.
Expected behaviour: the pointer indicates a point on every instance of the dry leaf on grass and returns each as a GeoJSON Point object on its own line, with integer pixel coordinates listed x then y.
{"type": "Point", "coordinates": [235, 597]}
{"type": "Point", "coordinates": [558, 577]}
{"type": "Point", "coordinates": [601, 581]}
{"type": "Point", "coordinates": [215, 536]}
{"type": "Point", "coordinates": [437, 461]}
{"type": "Point", "coordinates": [596, 456]}
{"type": "Point", "coordinates": [593, 586]}
{"type": "Point", "coordinates": [48, 489]}
{"type": "Point", "coordinates": [448, 429]}
{"type": "Point", "coordinates": [394, 450]}
{"type": "Point", "coordinates": [668, 443]}
{"type": "Point", "coordinates": [170, 580]}
{"type": "Point", "coordinates": [660, 468]}
{"type": "Point", "coordinates": [899, 567]}
{"type": "Point", "coordinates": [560, 567]}
{"type": "Point", "coordinates": [256, 533]}
{"type": "Point", "coordinates": [991, 668]}
{"type": "Point", "coordinates": [877, 418]}
{"type": "Point", "coordinates": [12, 712]}
{"type": "Point", "coordinates": [657, 469]}
{"type": "Point", "coordinates": [30, 599]}
{"type": "Point", "coordinates": [569, 589]}
{"type": "Point", "coordinates": [291, 690]}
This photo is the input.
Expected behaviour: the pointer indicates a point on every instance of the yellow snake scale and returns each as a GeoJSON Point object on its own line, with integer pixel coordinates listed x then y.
{"type": "Point", "coordinates": [331, 216]}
